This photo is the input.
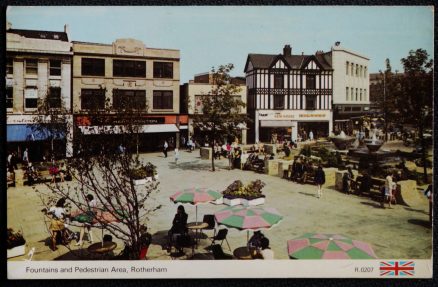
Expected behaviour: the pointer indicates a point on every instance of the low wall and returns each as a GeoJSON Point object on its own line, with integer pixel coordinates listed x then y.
{"type": "Point", "coordinates": [205, 152]}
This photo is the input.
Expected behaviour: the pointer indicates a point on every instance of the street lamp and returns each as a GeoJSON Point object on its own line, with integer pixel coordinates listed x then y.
{"type": "Point", "coordinates": [384, 105]}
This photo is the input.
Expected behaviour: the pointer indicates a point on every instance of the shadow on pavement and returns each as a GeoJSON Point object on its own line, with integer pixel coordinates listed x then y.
{"type": "Point", "coordinates": [417, 210]}
{"type": "Point", "coordinates": [308, 194]}
{"type": "Point", "coordinates": [373, 204]}
{"type": "Point", "coordinates": [424, 223]}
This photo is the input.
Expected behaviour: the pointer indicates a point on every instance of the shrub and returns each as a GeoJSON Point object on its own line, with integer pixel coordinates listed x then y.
{"type": "Point", "coordinates": [250, 191]}
{"type": "Point", "coordinates": [14, 239]}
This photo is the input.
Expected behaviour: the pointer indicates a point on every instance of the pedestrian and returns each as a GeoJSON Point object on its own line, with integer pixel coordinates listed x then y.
{"type": "Point", "coordinates": [176, 155]}
{"type": "Point", "coordinates": [388, 190]}
{"type": "Point", "coordinates": [237, 157]}
{"type": "Point", "coordinates": [183, 141]}
{"type": "Point", "coordinates": [346, 183]}
{"type": "Point", "coordinates": [165, 146]}
{"type": "Point", "coordinates": [319, 179]}
{"type": "Point", "coordinates": [311, 136]}
{"type": "Point", "coordinates": [189, 144]}
{"type": "Point", "coordinates": [91, 212]}
{"type": "Point", "coordinates": [365, 184]}
{"type": "Point", "coordinates": [26, 156]}
{"type": "Point", "coordinates": [14, 160]}
{"type": "Point", "coordinates": [9, 159]}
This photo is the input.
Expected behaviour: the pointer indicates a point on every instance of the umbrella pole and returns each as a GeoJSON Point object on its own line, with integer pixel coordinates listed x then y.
{"type": "Point", "coordinates": [196, 216]}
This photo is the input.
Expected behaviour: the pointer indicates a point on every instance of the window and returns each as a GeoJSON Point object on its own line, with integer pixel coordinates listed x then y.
{"type": "Point", "coordinates": [9, 97]}
{"type": "Point", "coordinates": [54, 97]}
{"type": "Point", "coordinates": [55, 67]}
{"type": "Point", "coordinates": [365, 72]}
{"type": "Point", "coordinates": [357, 70]}
{"type": "Point", "coordinates": [92, 99]}
{"type": "Point", "coordinates": [347, 96]}
{"type": "Point", "coordinates": [310, 82]}
{"type": "Point", "coordinates": [347, 66]}
{"type": "Point", "coordinates": [163, 100]}
{"type": "Point", "coordinates": [365, 94]}
{"type": "Point", "coordinates": [92, 67]}
{"type": "Point", "coordinates": [123, 68]}
{"type": "Point", "coordinates": [278, 81]}
{"type": "Point", "coordinates": [30, 98]}
{"type": "Point", "coordinates": [356, 109]}
{"type": "Point", "coordinates": [278, 102]}
{"type": "Point", "coordinates": [361, 71]}
{"type": "Point", "coordinates": [310, 102]}
{"type": "Point", "coordinates": [31, 66]}
{"type": "Point", "coordinates": [163, 70]}
{"type": "Point", "coordinates": [129, 99]}
{"type": "Point", "coordinates": [360, 96]}
{"type": "Point", "coordinates": [352, 69]}
{"type": "Point", "coordinates": [356, 94]}
{"type": "Point", "coordinates": [9, 66]}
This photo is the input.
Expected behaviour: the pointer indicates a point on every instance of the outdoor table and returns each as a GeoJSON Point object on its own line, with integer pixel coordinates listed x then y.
{"type": "Point", "coordinates": [242, 253]}
{"type": "Point", "coordinates": [196, 226]}
{"type": "Point", "coordinates": [99, 248]}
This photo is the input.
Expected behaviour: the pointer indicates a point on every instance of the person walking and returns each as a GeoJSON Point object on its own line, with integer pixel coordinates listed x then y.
{"type": "Point", "coordinates": [319, 179]}
{"type": "Point", "coordinates": [165, 146]}
{"type": "Point", "coordinates": [26, 156]}
{"type": "Point", "coordinates": [92, 208]}
{"type": "Point", "coordinates": [311, 136]}
{"type": "Point", "coordinates": [388, 190]}
{"type": "Point", "coordinates": [176, 155]}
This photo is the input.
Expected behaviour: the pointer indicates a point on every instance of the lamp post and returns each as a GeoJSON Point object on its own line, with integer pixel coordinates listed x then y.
{"type": "Point", "coordinates": [384, 105]}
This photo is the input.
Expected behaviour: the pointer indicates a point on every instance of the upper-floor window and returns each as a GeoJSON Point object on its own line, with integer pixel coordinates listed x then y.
{"type": "Point", "coordinates": [30, 98]}
{"type": "Point", "coordinates": [9, 66]}
{"type": "Point", "coordinates": [365, 94]}
{"type": "Point", "coordinates": [54, 97]}
{"type": "Point", "coordinates": [129, 99]}
{"type": "Point", "coordinates": [356, 94]}
{"type": "Point", "coordinates": [365, 71]}
{"type": "Point", "coordinates": [360, 95]}
{"type": "Point", "coordinates": [163, 70]}
{"type": "Point", "coordinates": [55, 67]}
{"type": "Point", "coordinates": [310, 102]}
{"type": "Point", "coordinates": [93, 67]}
{"type": "Point", "coordinates": [163, 100]}
{"type": "Point", "coordinates": [278, 102]}
{"type": "Point", "coordinates": [347, 65]}
{"type": "Point", "coordinates": [357, 70]}
{"type": "Point", "coordinates": [310, 82]}
{"type": "Point", "coordinates": [347, 96]}
{"type": "Point", "coordinates": [352, 69]}
{"type": "Point", "coordinates": [9, 97]}
{"type": "Point", "coordinates": [92, 99]}
{"type": "Point", "coordinates": [278, 81]}
{"type": "Point", "coordinates": [31, 66]}
{"type": "Point", "coordinates": [125, 68]}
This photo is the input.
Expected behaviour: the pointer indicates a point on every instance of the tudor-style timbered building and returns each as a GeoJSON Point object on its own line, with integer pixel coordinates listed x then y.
{"type": "Point", "coordinates": [288, 95]}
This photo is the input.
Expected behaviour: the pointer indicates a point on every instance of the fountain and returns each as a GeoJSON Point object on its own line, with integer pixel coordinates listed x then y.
{"type": "Point", "coordinates": [342, 141]}
{"type": "Point", "coordinates": [373, 144]}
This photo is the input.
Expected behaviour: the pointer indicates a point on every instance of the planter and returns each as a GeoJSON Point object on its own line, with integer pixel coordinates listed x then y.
{"type": "Point", "coordinates": [252, 202]}
{"type": "Point", "coordinates": [17, 251]}
{"type": "Point", "coordinates": [140, 181]}
{"type": "Point", "coordinates": [231, 202]}
{"type": "Point", "coordinates": [218, 201]}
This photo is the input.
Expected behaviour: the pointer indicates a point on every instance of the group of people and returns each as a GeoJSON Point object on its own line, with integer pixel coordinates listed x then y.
{"type": "Point", "coordinates": [258, 246]}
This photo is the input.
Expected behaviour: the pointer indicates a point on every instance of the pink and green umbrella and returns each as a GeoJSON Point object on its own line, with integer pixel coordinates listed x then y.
{"type": "Point", "coordinates": [328, 246]}
{"type": "Point", "coordinates": [195, 196]}
{"type": "Point", "coordinates": [248, 217]}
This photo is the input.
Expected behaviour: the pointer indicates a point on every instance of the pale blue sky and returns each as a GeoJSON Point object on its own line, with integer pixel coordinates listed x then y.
{"type": "Point", "coordinates": [208, 36]}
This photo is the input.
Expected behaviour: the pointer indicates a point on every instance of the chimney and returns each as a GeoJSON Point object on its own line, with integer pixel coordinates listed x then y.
{"type": "Point", "coordinates": [66, 29]}
{"type": "Point", "coordinates": [287, 50]}
{"type": "Point", "coordinates": [8, 25]}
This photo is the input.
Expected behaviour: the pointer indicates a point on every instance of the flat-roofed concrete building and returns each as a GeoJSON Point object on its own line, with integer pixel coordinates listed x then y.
{"type": "Point", "coordinates": [38, 65]}
{"type": "Point", "coordinates": [202, 84]}
{"type": "Point", "coordinates": [127, 74]}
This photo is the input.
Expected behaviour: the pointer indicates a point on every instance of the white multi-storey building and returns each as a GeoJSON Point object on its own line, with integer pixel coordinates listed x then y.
{"type": "Point", "coordinates": [38, 65]}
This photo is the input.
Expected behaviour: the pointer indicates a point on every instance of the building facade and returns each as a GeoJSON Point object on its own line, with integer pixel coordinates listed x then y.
{"type": "Point", "coordinates": [288, 95]}
{"type": "Point", "coordinates": [38, 66]}
{"type": "Point", "coordinates": [351, 95]}
{"type": "Point", "coordinates": [202, 84]}
{"type": "Point", "coordinates": [127, 74]}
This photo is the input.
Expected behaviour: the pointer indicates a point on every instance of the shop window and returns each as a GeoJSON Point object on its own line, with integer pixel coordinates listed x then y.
{"type": "Point", "coordinates": [9, 66]}
{"type": "Point", "coordinates": [92, 67]}
{"type": "Point", "coordinates": [92, 99]}
{"type": "Point", "coordinates": [163, 100]}
{"type": "Point", "coordinates": [310, 102]}
{"type": "Point", "coordinates": [347, 109]}
{"type": "Point", "coordinates": [31, 66]}
{"type": "Point", "coordinates": [163, 70]}
{"type": "Point", "coordinates": [129, 99]}
{"type": "Point", "coordinates": [310, 82]}
{"type": "Point", "coordinates": [356, 109]}
{"type": "Point", "coordinates": [54, 97]}
{"type": "Point", "coordinates": [55, 67]}
{"type": "Point", "coordinates": [278, 102]}
{"type": "Point", "coordinates": [9, 97]}
{"type": "Point", "coordinates": [31, 98]}
{"type": "Point", "coordinates": [124, 68]}
{"type": "Point", "coordinates": [278, 81]}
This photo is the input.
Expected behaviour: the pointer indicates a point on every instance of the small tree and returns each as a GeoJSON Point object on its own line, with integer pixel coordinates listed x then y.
{"type": "Point", "coordinates": [109, 175]}
{"type": "Point", "coordinates": [416, 99]}
{"type": "Point", "coordinates": [221, 113]}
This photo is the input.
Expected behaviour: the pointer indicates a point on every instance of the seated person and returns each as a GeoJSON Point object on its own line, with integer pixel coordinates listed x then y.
{"type": "Point", "coordinates": [365, 184]}
{"type": "Point", "coordinates": [266, 252]}
{"type": "Point", "coordinates": [255, 242]}
{"type": "Point", "coordinates": [179, 226]}
{"type": "Point", "coordinates": [31, 174]}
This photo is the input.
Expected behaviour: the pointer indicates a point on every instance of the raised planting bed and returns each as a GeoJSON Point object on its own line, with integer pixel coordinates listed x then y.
{"type": "Point", "coordinates": [250, 194]}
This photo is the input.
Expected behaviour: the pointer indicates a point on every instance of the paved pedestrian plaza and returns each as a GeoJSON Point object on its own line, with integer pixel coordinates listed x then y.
{"type": "Point", "coordinates": [401, 232]}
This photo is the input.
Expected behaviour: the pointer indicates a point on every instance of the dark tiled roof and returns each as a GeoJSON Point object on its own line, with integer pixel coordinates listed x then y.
{"type": "Point", "coordinates": [36, 34]}
{"type": "Point", "coordinates": [264, 61]}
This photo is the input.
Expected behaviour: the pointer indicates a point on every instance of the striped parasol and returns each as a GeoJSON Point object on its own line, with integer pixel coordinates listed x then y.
{"type": "Point", "coordinates": [328, 246]}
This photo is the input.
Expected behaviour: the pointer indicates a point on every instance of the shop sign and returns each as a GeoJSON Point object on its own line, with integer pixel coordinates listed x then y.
{"type": "Point", "coordinates": [87, 120]}
{"type": "Point", "coordinates": [299, 115]}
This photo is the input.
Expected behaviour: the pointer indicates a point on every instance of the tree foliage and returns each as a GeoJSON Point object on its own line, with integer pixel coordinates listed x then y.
{"type": "Point", "coordinates": [221, 116]}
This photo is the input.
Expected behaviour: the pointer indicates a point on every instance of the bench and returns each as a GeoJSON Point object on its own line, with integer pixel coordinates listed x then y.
{"type": "Point", "coordinates": [310, 176]}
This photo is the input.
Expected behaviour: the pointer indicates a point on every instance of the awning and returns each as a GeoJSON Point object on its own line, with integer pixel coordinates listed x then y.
{"type": "Point", "coordinates": [183, 127]}
{"type": "Point", "coordinates": [117, 129]}
{"type": "Point", "coordinates": [22, 133]}
{"type": "Point", "coordinates": [280, 123]}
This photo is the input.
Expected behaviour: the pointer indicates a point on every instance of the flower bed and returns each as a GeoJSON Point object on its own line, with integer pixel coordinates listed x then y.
{"type": "Point", "coordinates": [144, 174]}
{"type": "Point", "coordinates": [251, 194]}
{"type": "Point", "coordinates": [15, 243]}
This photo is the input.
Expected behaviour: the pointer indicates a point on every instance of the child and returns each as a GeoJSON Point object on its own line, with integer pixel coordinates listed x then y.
{"type": "Point", "coordinates": [176, 155]}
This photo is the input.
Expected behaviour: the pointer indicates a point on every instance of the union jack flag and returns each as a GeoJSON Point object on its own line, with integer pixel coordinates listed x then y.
{"type": "Point", "coordinates": [397, 268]}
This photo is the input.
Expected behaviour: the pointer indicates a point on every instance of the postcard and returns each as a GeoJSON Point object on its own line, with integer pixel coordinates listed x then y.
{"type": "Point", "coordinates": [219, 142]}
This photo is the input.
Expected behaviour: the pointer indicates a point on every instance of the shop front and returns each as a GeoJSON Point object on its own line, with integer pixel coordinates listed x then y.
{"type": "Point", "coordinates": [277, 126]}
